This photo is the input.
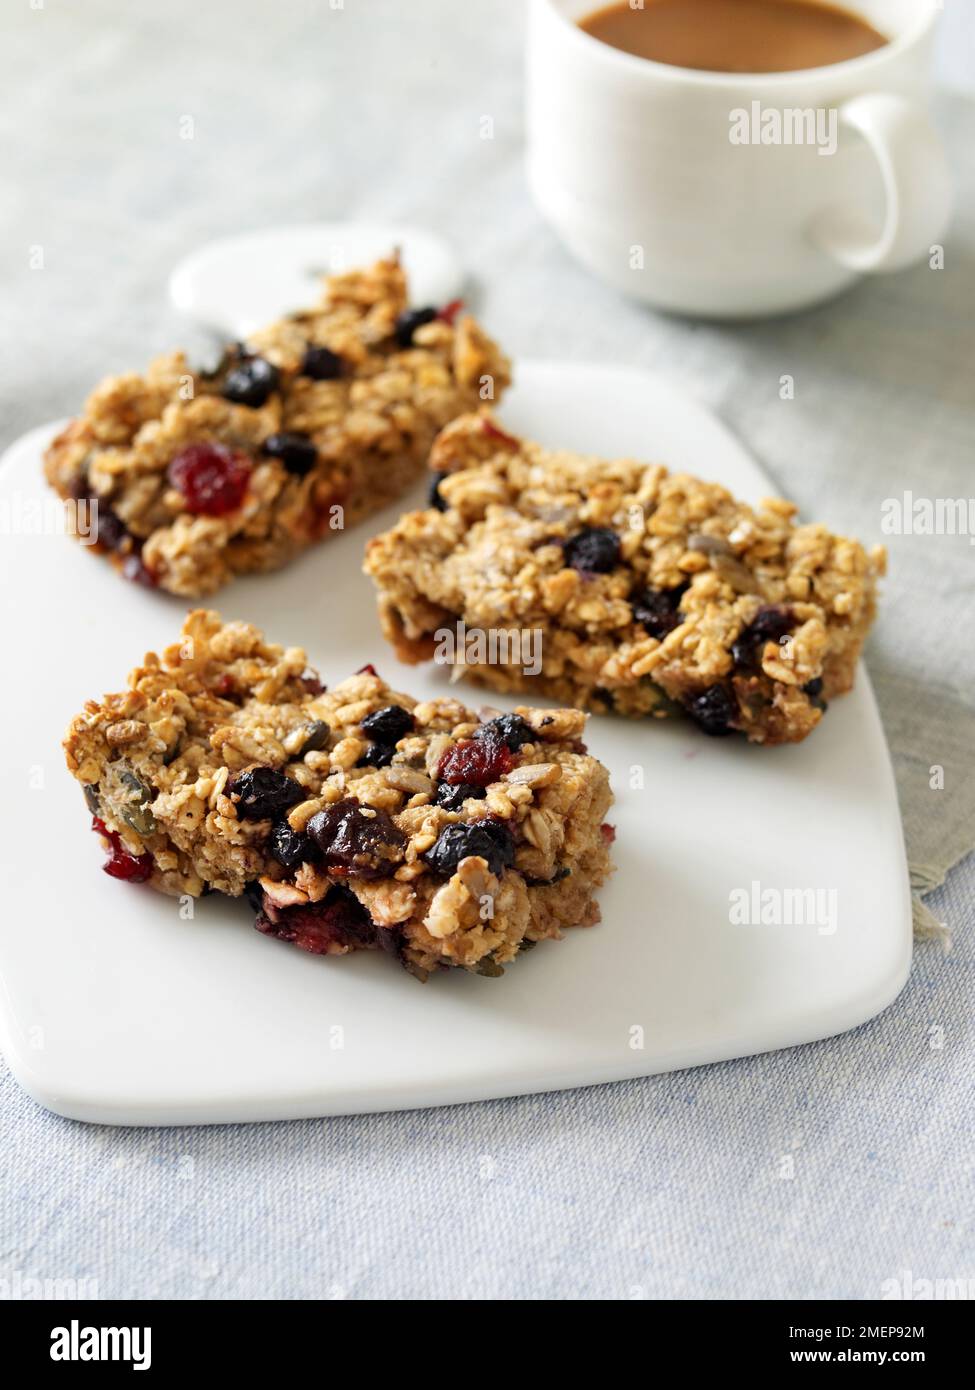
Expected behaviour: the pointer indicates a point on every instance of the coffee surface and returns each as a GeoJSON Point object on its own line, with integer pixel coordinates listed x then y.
{"type": "Point", "coordinates": [735, 35]}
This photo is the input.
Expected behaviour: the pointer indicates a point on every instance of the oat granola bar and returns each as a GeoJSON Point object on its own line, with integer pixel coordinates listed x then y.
{"type": "Point", "coordinates": [352, 818]}
{"type": "Point", "coordinates": [315, 422]}
{"type": "Point", "coordinates": [648, 593]}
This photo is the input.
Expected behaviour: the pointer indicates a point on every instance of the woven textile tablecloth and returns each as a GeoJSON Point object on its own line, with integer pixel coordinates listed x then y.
{"type": "Point", "coordinates": [827, 1170]}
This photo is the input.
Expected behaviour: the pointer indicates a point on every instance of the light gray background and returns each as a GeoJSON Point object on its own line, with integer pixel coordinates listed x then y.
{"type": "Point", "coordinates": [672, 1187]}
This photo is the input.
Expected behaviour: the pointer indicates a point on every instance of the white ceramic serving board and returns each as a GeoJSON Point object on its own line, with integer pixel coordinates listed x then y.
{"type": "Point", "coordinates": [116, 1010]}
{"type": "Point", "coordinates": [240, 283]}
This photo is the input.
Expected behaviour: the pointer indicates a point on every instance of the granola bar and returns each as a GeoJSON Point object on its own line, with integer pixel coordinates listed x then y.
{"type": "Point", "coordinates": [320, 419]}
{"type": "Point", "coordinates": [648, 593]}
{"type": "Point", "coordinates": [353, 818]}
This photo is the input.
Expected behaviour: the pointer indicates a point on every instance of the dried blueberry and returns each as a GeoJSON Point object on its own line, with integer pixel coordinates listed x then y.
{"type": "Point", "coordinates": [657, 610]}
{"type": "Point", "coordinates": [357, 841]}
{"type": "Point", "coordinates": [451, 796]}
{"type": "Point", "coordinates": [434, 499]}
{"type": "Point", "coordinates": [713, 710]}
{"type": "Point", "coordinates": [109, 531]}
{"type": "Point", "coordinates": [214, 368]}
{"type": "Point", "coordinates": [594, 551]}
{"type": "Point", "coordinates": [814, 689]}
{"type": "Point", "coordinates": [79, 489]}
{"type": "Point", "coordinates": [409, 322]}
{"type": "Point", "coordinates": [291, 848]}
{"type": "Point", "coordinates": [563, 871]}
{"type": "Point", "coordinates": [321, 363]}
{"type": "Point", "coordinates": [388, 725]}
{"type": "Point", "coordinates": [251, 382]}
{"type": "Point", "coordinates": [254, 894]}
{"type": "Point", "coordinates": [262, 793]}
{"type": "Point", "coordinates": [769, 625]}
{"type": "Point", "coordinates": [296, 451]}
{"type": "Point", "coordinates": [491, 839]}
{"type": "Point", "coordinates": [513, 731]}
{"type": "Point", "coordinates": [377, 755]}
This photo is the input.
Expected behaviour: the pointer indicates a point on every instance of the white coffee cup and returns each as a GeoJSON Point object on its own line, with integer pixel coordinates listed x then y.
{"type": "Point", "coordinates": [642, 168]}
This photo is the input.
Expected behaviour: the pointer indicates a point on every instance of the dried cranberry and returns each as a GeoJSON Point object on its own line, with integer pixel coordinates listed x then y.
{"type": "Point", "coordinates": [491, 839]}
{"type": "Point", "coordinates": [368, 670]}
{"type": "Point", "coordinates": [296, 451]}
{"type": "Point", "coordinates": [452, 795]}
{"type": "Point", "coordinates": [136, 571]}
{"type": "Point", "coordinates": [310, 683]}
{"type": "Point", "coordinates": [608, 832]}
{"type": "Point", "coordinates": [388, 725]}
{"type": "Point", "coordinates": [479, 761]}
{"type": "Point", "coordinates": [448, 312]}
{"type": "Point", "coordinates": [251, 382]}
{"type": "Point", "coordinates": [339, 920]}
{"type": "Point", "coordinates": [409, 321]}
{"type": "Point", "coordinates": [291, 848]}
{"type": "Point", "coordinates": [657, 610]}
{"type": "Point", "coordinates": [263, 793]}
{"type": "Point", "coordinates": [513, 731]}
{"type": "Point", "coordinates": [321, 363]}
{"type": "Point", "coordinates": [133, 868]}
{"type": "Point", "coordinates": [367, 845]}
{"type": "Point", "coordinates": [433, 498]}
{"type": "Point", "coordinates": [212, 478]}
{"type": "Point", "coordinates": [593, 551]}
{"type": "Point", "coordinates": [714, 710]}
{"type": "Point", "coordinates": [769, 625]}
{"type": "Point", "coordinates": [488, 427]}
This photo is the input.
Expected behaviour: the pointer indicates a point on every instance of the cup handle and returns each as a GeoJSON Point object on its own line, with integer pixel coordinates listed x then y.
{"type": "Point", "coordinates": [917, 187]}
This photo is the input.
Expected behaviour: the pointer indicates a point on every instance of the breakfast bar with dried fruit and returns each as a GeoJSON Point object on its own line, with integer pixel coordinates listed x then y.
{"type": "Point", "coordinates": [352, 818]}
{"type": "Point", "coordinates": [316, 421]}
{"type": "Point", "coordinates": [648, 593]}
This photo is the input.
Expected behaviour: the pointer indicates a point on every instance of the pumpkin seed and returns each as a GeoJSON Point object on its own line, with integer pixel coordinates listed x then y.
{"type": "Point", "coordinates": [316, 737]}
{"type": "Point", "coordinates": [136, 813]}
{"type": "Point", "coordinates": [708, 545]}
{"type": "Point", "coordinates": [490, 968]}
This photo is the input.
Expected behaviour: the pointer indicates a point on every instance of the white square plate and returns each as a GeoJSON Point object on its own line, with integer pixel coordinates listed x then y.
{"type": "Point", "coordinates": [116, 1010]}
